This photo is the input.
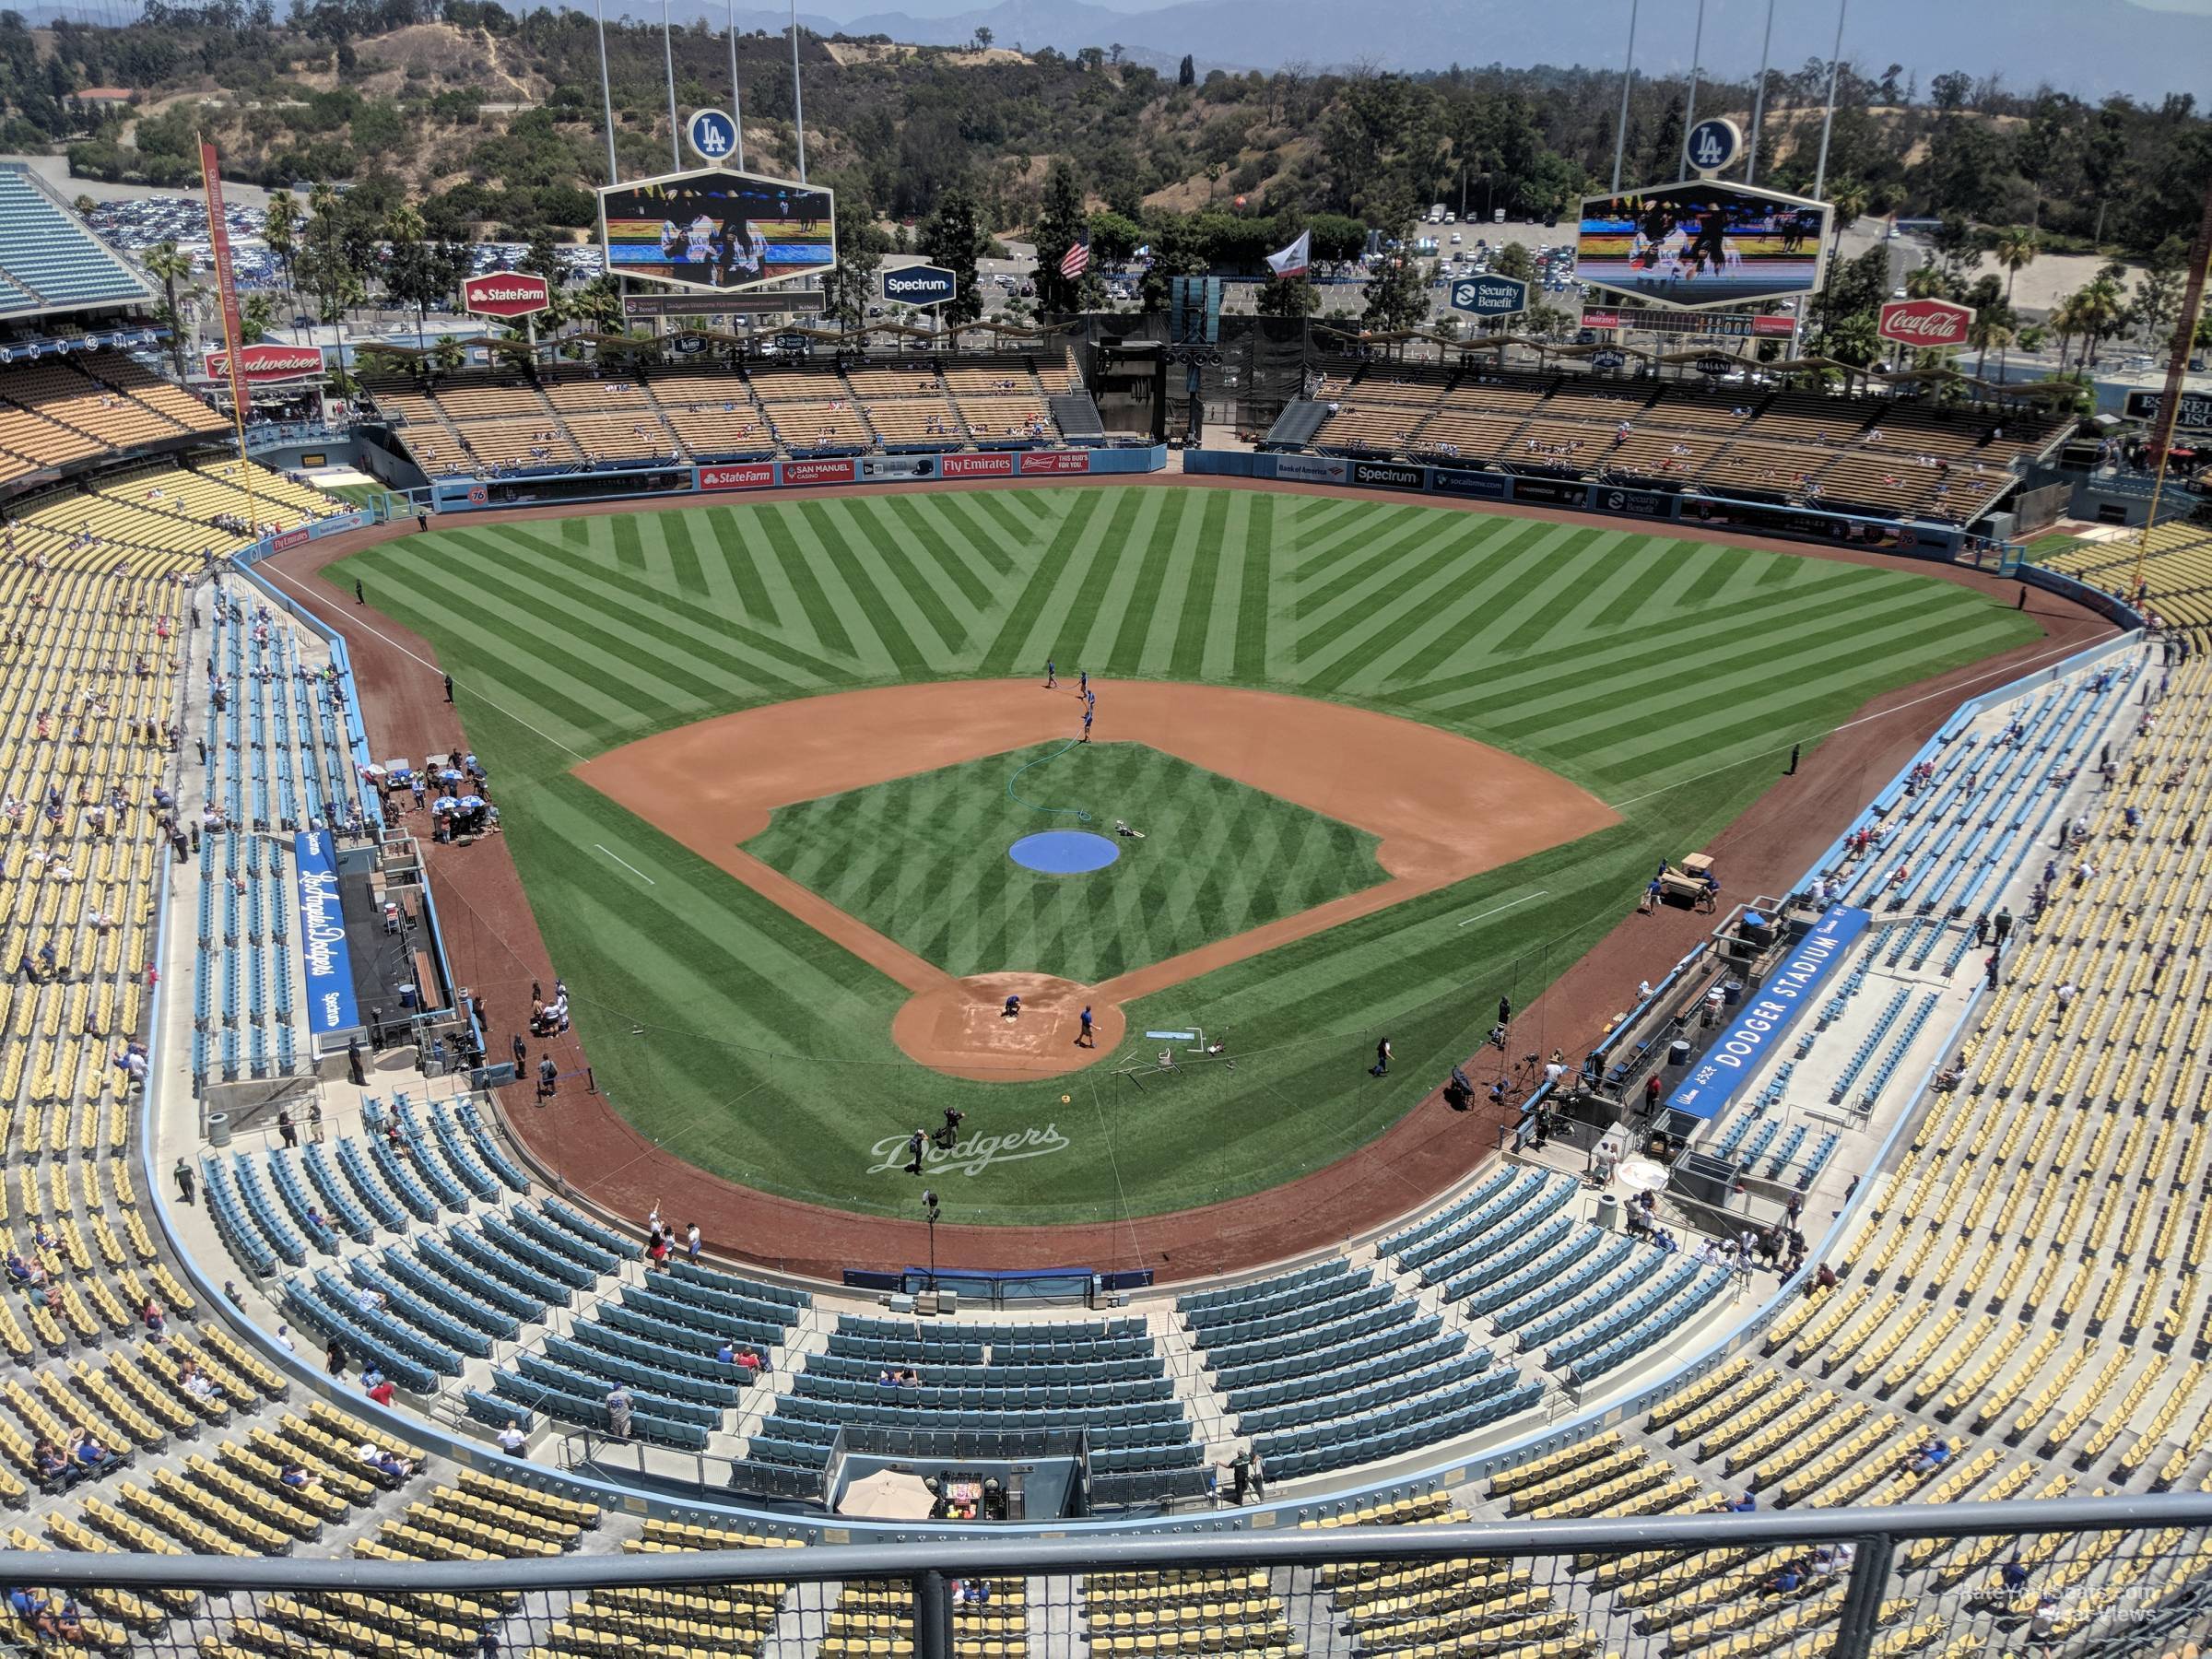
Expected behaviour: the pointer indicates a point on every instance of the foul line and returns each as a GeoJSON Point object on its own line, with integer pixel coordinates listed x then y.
{"type": "Point", "coordinates": [315, 598]}
{"type": "Point", "coordinates": [1509, 904]}
{"type": "Point", "coordinates": [634, 869]}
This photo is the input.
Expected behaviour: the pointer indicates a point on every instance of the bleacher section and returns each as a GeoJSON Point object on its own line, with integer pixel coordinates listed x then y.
{"type": "Point", "coordinates": [718, 413]}
{"type": "Point", "coordinates": [1885, 458]}
{"type": "Point", "coordinates": [53, 262]}
{"type": "Point", "coordinates": [2175, 560]}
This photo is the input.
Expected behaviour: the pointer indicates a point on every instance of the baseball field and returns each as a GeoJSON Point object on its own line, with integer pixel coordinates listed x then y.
{"type": "Point", "coordinates": [1481, 733]}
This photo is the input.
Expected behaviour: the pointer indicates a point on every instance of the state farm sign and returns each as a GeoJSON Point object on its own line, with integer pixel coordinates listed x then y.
{"type": "Point", "coordinates": [1931, 324]}
{"type": "Point", "coordinates": [268, 362]}
{"type": "Point", "coordinates": [506, 294]}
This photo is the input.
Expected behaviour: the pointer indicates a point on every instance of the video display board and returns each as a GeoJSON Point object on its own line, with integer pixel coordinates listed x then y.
{"type": "Point", "coordinates": [1698, 243]}
{"type": "Point", "coordinates": [717, 229]}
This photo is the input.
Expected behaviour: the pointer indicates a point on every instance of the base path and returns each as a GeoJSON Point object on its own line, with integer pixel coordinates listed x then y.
{"type": "Point", "coordinates": [1443, 807]}
{"type": "Point", "coordinates": [494, 942]}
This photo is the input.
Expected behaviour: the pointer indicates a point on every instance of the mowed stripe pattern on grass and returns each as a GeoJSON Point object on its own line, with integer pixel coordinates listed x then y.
{"type": "Point", "coordinates": [923, 859]}
{"type": "Point", "coordinates": [1668, 677]}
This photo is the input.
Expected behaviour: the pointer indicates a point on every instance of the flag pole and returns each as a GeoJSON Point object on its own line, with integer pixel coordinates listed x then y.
{"type": "Point", "coordinates": [226, 287]}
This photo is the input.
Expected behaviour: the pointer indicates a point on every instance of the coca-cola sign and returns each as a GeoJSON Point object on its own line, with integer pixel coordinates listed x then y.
{"type": "Point", "coordinates": [268, 362]}
{"type": "Point", "coordinates": [506, 294]}
{"type": "Point", "coordinates": [1930, 324]}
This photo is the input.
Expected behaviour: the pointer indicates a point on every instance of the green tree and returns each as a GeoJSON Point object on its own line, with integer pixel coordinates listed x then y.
{"type": "Point", "coordinates": [2017, 247]}
{"type": "Point", "coordinates": [414, 275]}
{"type": "Point", "coordinates": [1057, 229]}
{"type": "Point", "coordinates": [166, 265]}
{"type": "Point", "coordinates": [1397, 295]}
{"type": "Point", "coordinates": [954, 239]}
{"type": "Point", "coordinates": [1991, 331]}
{"type": "Point", "coordinates": [1289, 296]}
{"type": "Point", "coordinates": [1514, 260]}
{"type": "Point", "coordinates": [282, 232]}
{"type": "Point", "coordinates": [1186, 72]}
{"type": "Point", "coordinates": [255, 317]}
{"type": "Point", "coordinates": [542, 258]}
{"type": "Point", "coordinates": [850, 284]}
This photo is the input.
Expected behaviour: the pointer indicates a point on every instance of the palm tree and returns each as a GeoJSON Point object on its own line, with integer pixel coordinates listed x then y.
{"type": "Point", "coordinates": [2101, 305]}
{"type": "Point", "coordinates": [282, 233]}
{"type": "Point", "coordinates": [446, 357]}
{"type": "Point", "coordinates": [2017, 247]}
{"type": "Point", "coordinates": [167, 266]}
{"type": "Point", "coordinates": [1850, 201]}
{"type": "Point", "coordinates": [2066, 324]}
{"type": "Point", "coordinates": [1991, 329]}
{"type": "Point", "coordinates": [1927, 282]}
{"type": "Point", "coordinates": [255, 318]}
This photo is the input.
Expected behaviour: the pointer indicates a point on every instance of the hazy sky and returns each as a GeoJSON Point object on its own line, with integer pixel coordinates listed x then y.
{"type": "Point", "coordinates": [2203, 8]}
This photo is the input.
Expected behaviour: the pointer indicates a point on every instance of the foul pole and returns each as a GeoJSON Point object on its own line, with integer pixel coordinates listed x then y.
{"type": "Point", "coordinates": [226, 288]}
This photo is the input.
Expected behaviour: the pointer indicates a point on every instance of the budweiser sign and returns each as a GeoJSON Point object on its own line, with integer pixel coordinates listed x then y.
{"type": "Point", "coordinates": [1928, 323]}
{"type": "Point", "coordinates": [506, 294]}
{"type": "Point", "coordinates": [268, 362]}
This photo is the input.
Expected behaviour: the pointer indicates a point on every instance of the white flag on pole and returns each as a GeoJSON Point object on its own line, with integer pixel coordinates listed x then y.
{"type": "Point", "coordinates": [1292, 261]}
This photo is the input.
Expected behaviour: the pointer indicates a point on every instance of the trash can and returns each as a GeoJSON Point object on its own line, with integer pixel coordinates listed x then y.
{"type": "Point", "coordinates": [1677, 1052]}
{"type": "Point", "coordinates": [218, 1128]}
{"type": "Point", "coordinates": [1608, 1212]}
{"type": "Point", "coordinates": [1732, 992]}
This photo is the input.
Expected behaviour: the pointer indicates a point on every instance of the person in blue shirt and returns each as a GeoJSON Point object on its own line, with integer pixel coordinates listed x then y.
{"type": "Point", "coordinates": [2015, 1575]}
{"type": "Point", "coordinates": [1741, 1506]}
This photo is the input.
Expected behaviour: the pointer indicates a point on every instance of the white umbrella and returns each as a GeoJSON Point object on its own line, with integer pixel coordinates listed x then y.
{"type": "Point", "coordinates": [1642, 1174]}
{"type": "Point", "coordinates": [886, 1495]}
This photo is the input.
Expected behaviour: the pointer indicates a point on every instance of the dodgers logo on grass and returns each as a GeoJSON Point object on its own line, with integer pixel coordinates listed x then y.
{"type": "Point", "coordinates": [970, 1157]}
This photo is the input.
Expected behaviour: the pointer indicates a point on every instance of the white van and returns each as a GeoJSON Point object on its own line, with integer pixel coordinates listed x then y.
{"type": "Point", "coordinates": [1436, 214]}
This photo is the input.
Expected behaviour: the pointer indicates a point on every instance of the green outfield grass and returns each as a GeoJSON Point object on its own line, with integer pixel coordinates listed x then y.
{"type": "Point", "coordinates": [923, 859]}
{"type": "Point", "coordinates": [1668, 677]}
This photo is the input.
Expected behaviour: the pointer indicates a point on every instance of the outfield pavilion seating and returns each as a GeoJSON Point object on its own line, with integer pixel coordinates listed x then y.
{"type": "Point", "coordinates": [1879, 457]}
{"type": "Point", "coordinates": [906, 407]}
{"type": "Point", "coordinates": [811, 412]}
{"type": "Point", "coordinates": [611, 419]}
{"type": "Point", "coordinates": [712, 412]}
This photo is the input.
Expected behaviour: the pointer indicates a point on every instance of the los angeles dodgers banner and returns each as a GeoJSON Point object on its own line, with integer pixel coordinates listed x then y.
{"type": "Point", "coordinates": [1709, 1085]}
{"type": "Point", "coordinates": [330, 1006]}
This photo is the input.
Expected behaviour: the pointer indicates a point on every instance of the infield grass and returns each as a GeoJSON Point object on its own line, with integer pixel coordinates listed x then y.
{"type": "Point", "coordinates": [923, 859]}
{"type": "Point", "coordinates": [1668, 677]}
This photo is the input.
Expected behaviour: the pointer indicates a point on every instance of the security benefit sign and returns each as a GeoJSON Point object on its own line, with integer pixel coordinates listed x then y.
{"type": "Point", "coordinates": [1490, 296]}
{"type": "Point", "coordinates": [331, 1008]}
{"type": "Point", "coordinates": [1709, 1085]}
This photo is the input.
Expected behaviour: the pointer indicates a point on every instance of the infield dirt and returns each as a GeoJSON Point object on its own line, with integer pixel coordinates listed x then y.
{"type": "Point", "coordinates": [1444, 808]}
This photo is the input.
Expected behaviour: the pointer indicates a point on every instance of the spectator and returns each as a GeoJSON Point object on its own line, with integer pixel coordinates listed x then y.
{"type": "Point", "coordinates": [618, 1411]}
{"type": "Point", "coordinates": [2015, 1574]}
{"type": "Point", "coordinates": [294, 1475]}
{"type": "Point", "coordinates": [512, 1440]}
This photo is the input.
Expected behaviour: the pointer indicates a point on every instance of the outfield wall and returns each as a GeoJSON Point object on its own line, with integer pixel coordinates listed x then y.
{"type": "Point", "coordinates": [1575, 495]}
{"type": "Point", "coordinates": [738, 477]}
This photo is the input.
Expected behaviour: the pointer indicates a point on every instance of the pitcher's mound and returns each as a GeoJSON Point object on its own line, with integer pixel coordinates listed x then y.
{"type": "Point", "coordinates": [961, 1028]}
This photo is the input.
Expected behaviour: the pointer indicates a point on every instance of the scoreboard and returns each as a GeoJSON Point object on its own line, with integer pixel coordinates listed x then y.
{"type": "Point", "coordinates": [1727, 325]}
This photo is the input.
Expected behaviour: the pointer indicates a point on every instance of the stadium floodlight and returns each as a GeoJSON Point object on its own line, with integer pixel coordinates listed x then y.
{"type": "Point", "coordinates": [716, 230]}
{"type": "Point", "coordinates": [1696, 243]}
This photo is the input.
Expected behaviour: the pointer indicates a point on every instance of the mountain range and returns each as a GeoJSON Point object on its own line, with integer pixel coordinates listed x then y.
{"type": "Point", "coordinates": [2091, 48]}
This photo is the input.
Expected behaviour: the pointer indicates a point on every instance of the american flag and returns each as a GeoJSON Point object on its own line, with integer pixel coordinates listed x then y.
{"type": "Point", "coordinates": [1076, 260]}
